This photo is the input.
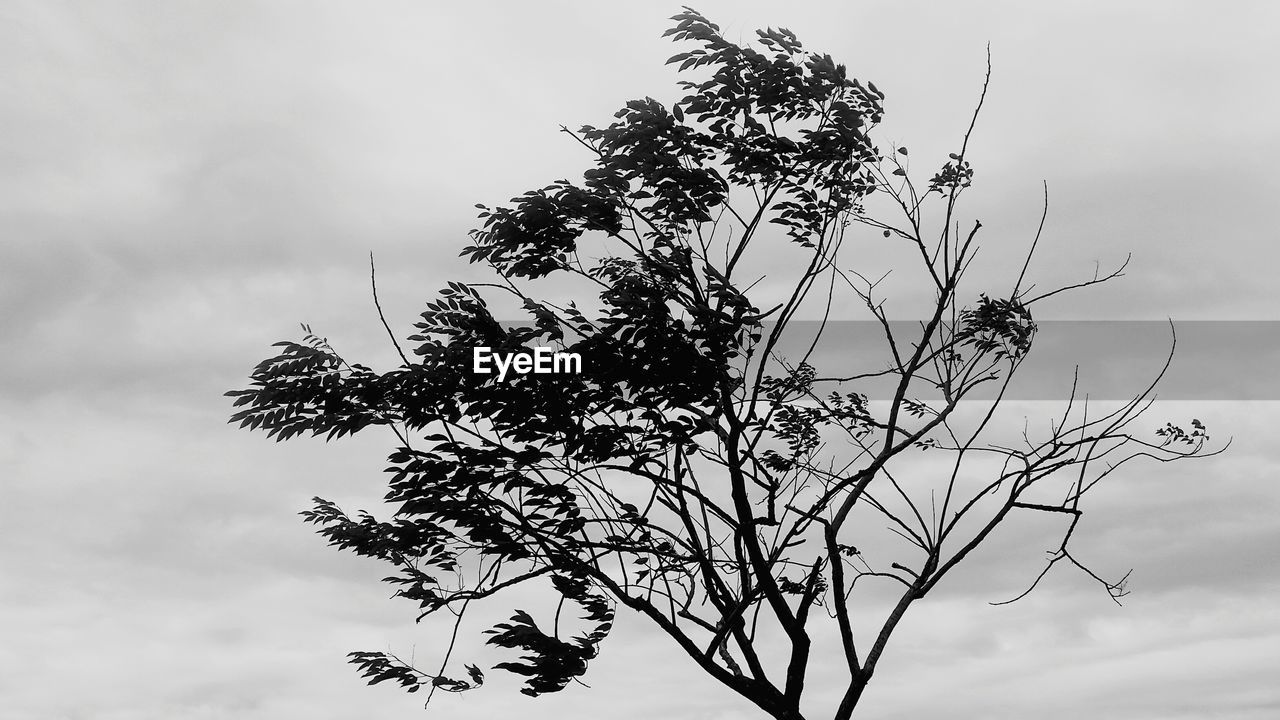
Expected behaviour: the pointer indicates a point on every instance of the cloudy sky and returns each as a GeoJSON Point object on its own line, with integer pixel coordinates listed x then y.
{"type": "Point", "coordinates": [182, 183]}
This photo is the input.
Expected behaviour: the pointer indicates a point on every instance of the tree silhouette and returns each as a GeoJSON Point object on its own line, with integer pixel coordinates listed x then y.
{"type": "Point", "coordinates": [695, 472]}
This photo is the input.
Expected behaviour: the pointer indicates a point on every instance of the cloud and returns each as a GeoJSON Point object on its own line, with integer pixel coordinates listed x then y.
{"type": "Point", "coordinates": [180, 186]}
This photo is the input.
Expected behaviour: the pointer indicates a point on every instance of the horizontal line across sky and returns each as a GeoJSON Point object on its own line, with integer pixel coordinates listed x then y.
{"type": "Point", "coordinates": [1213, 359]}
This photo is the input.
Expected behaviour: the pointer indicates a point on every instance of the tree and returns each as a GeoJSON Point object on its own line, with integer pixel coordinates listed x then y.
{"type": "Point", "coordinates": [694, 472]}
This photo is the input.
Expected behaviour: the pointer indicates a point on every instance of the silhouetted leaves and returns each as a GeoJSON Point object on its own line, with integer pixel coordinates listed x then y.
{"type": "Point", "coordinates": [1175, 434]}
{"type": "Point", "coordinates": [1003, 327]}
{"type": "Point", "coordinates": [380, 667]}
{"type": "Point", "coordinates": [956, 174]}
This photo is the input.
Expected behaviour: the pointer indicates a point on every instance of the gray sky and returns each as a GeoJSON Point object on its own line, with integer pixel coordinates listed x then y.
{"type": "Point", "coordinates": [182, 183]}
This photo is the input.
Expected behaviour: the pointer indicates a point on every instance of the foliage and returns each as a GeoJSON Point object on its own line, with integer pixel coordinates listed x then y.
{"type": "Point", "coordinates": [694, 473]}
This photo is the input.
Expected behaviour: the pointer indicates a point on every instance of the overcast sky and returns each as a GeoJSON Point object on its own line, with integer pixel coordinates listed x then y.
{"type": "Point", "coordinates": [182, 183]}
